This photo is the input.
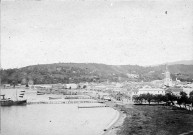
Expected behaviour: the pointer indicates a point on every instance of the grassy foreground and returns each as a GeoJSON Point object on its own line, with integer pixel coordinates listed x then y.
{"type": "Point", "coordinates": [155, 120]}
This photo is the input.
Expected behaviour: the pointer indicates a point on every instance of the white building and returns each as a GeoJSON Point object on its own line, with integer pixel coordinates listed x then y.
{"type": "Point", "coordinates": [167, 80]}
{"type": "Point", "coordinates": [174, 90]}
{"type": "Point", "coordinates": [71, 86]}
{"type": "Point", "coordinates": [132, 75]}
{"type": "Point", "coordinates": [57, 86]}
{"type": "Point", "coordinates": [147, 89]}
{"type": "Point", "coordinates": [41, 86]}
{"type": "Point", "coordinates": [187, 90]}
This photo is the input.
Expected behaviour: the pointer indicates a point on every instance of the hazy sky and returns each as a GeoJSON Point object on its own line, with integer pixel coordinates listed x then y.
{"type": "Point", "coordinates": [111, 32]}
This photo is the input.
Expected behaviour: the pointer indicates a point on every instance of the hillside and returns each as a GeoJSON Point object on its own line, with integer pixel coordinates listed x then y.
{"type": "Point", "coordinates": [181, 62]}
{"type": "Point", "coordinates": [184, 62]}
{"type": "Point", "coordinates": [91, 72]}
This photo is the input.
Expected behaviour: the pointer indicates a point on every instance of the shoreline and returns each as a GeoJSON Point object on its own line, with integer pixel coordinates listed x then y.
{"type": "Point", "coordinates": [112, 130]}
{"type": "Point", "coordinates": [78, 121]}
{"type": "Point", "coordinates": [117, 124]}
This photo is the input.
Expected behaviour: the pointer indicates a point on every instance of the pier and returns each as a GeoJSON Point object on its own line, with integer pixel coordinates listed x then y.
{"type": "Point", "coordinates": [60, 102]}
{"type": "Point", "coordinates": [93, 106]}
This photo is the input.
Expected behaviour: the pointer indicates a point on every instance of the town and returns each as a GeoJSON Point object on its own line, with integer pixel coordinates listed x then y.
{"type": "Point", "coordinates": [120, 92]}
{"type": "Point", "coordinates": [92, 67]}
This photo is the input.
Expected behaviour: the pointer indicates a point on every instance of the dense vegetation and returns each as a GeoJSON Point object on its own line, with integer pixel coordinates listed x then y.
{"type": "Point", "coordinates": [82, 72]}
{"type": "Point", "coordinates": [183, 99]}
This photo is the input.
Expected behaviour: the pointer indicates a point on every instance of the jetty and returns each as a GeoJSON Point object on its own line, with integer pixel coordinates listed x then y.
{"type": "Point", "coordinates": [93, 106]}
{"type": "Point", "coordinates": [60, 102]}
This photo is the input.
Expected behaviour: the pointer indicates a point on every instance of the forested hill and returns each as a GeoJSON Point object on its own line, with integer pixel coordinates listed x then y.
{"type": "Point", "coordinates": [91, 72]}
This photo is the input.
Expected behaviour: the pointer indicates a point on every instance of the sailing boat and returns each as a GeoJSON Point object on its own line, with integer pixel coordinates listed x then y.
{"type": "Point", "coordinates": [8, 102]}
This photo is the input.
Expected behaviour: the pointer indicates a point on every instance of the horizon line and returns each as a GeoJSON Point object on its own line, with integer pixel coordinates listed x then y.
{"type": "Point", "coordinates": [99, 63]}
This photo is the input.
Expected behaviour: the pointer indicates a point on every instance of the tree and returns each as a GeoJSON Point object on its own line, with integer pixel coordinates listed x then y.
{"type": "Point", "coordinates": [24, 81]}
{"type": "Point", "coordinates": [149, 97]}
{"type": "Point", "coordinates": [184, 97]}
{"type": "Point", "coordinates": [138, 99]}
{"type": "Point", "coordinates": [30, 82]}
{"type": "Point", "coordinates": [191, 97]}
{"type": "Point", "coordinates": [158, 98]}
{"type": "Point", "coordinates": [179, 101]}
{"type": "Point", "coordinates": [170, 97]}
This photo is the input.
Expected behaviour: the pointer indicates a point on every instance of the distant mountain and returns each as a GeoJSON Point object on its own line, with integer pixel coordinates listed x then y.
{"type": "Point", "coordinates": [92, 72]}
{"type": "Point", "coordinates": [184, 62]}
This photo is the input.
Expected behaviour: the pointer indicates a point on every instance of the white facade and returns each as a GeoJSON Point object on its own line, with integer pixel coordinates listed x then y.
{"type": "Point", "coordinates": [107, 98]}
{"type": "Point", "coordinates": [41, 86]}
{"type": "Point", "coordinates": [132, 75]}
{"type": "Point", "coordinates": [187, 90]}
{"type": "Point", "coordinates": [147, 89]}
{"type": "Point", "coordinates": [71, 86]}
{"type": "Point", "coordinates": [167, 80]}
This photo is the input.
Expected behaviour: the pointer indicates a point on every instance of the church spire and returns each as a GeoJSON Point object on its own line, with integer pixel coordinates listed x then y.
{"type": "Point", "coordinates": [167, 80]}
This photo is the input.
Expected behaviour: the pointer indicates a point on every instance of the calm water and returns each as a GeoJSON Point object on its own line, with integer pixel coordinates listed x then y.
{"type": "Point", "coordinates": [54, 119]}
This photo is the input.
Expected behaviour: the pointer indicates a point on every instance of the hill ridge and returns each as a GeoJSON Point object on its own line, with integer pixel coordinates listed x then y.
{"type": "Point", "coordinates": [92, 72]}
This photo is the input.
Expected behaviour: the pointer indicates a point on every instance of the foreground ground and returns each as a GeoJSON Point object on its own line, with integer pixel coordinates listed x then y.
{"type": "Point", "coordinates": [154, 120]}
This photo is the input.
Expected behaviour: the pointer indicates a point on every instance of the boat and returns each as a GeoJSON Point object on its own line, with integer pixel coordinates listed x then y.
{"type": "Point", "coordinates": [100, 100]}
{"type": "Point", "coordinates": [8, 102]}
{"type": "Point", "coordinates": [20, 102]}
{"type": "Point", "coordinates": [107, 98]}
{"type": "Point", "coordinates": [40, 93]}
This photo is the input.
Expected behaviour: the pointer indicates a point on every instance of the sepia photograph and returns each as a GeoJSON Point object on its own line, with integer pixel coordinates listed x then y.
{"type": "Point", "coordinates": [96, 67]}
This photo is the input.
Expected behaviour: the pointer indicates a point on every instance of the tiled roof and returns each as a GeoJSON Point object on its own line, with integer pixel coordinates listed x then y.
{"type": "Point", "coordinates": [175, 89]}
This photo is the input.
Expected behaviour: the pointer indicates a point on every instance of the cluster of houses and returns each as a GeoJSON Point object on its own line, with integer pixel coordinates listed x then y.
{"type": "Point", "coordinates": [164, 86]}
{"type": "Point", "coordinates": [59, 86]}
{"type": "Point", "coordinates": [130, 89]}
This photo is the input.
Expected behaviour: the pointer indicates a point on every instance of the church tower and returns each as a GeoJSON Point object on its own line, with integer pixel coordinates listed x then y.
{"type": "Point", "coordinates": [167, 80]}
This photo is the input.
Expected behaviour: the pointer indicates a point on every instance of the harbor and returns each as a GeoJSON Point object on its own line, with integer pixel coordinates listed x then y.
{"type": "Point", "coordinates": [46, 114]}
{"type": "Point", "coordinates": [46, 118]}
{"type": "Point", "coordinates": [86, 67]}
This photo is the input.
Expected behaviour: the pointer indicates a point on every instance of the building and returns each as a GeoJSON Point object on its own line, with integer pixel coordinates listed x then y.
{"type": "Point", "coordinates": [157, 83]}
{"type": "Point", "coordinates": [174, 90]}
{"type": "Point", "coordinates": [58, 86]}
{"type": "Point", "coordinates": [187, 90]}
{"type": "Point", "coordinates": [6, 85]}
{"type": "Point", "coordinates": [132, 75]}
{"type": "Point", "coordinates": [167, 80]}
{"type": "Point", "coordinates": [71, 86]}
{"type": "Point", "coordinates": [147, 89]}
